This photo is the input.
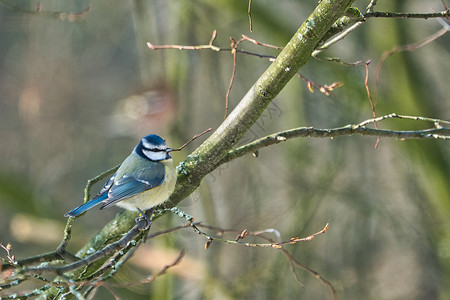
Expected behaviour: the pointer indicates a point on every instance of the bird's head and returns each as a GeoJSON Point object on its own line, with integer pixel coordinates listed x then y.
{"type": "Point", "coordinates": [153, 147]}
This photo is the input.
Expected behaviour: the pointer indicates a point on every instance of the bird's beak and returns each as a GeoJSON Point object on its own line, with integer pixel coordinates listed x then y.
{"type": "Point", "coordinates": [168, 153]}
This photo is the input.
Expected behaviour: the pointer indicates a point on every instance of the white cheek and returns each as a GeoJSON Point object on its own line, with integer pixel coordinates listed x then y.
{"type": "Point", "coordinates": [152, 155]}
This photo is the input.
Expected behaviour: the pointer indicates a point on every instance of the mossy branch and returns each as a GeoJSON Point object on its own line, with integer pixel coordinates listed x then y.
{"type": "Point", "coordinates": [294, 55]}
{"type": "Point", "coordinates": [441, 131]}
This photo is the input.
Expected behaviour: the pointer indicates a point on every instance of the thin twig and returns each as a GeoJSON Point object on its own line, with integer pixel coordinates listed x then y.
{"type": "Point", "coordinates": [325, 89]}
{"type": "Point", "coordinates": [340, 61]}
{"type": "Point", "coordinates": [383, 14]}
{"type": "Point", "coordinates": [293, 262]}
{"type": "Point", "coordinates": [259, 233]}
{"type": "Point", "coordinates": [336, 38]}
{"type": "Point", "coordinates": [50, 257]}
{"type": "Point", "coordinates": [372, 104]}
{"type": "Point", "coordinates": [192, 139]}
{"type": "Point", "coordinates": [276, 245]}
{"type": "Point", "coordinates": [372, 14]}
{"type": "Point", "coordinates": [10, 258]}
{"type": "Point", "coordinates": [446, 8]}
{"type": "Point", "coordinates": [438, 132]}
{"type": "Point", "coordinates": [249, 12]}
{"type": "Point", "coordinates": [234, 46]}
{"type": "Point", "coordinates": [181, 47]}
{"type": "Point", "coordinates": [96, 179]}
{"type": "Point", "coordinates": [261, 44]}
{"type": "Point", "coordinates": [154, 276]}
{"type": "Point", "coordinates": [371, 5]}
{"type": "Point", "coordinates": [111, 248]}
{"type": "Point", "coordinates": [311, 271]}
{"type": "Point", "coordinates": [411, 47]}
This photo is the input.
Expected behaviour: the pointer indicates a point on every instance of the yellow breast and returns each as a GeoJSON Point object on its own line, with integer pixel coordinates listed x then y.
{"type": "Point", "coordinates": [155, 196]}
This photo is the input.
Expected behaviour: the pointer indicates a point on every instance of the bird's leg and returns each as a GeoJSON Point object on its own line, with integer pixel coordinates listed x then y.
{"type": "Point", "coordinates": [144, 217]}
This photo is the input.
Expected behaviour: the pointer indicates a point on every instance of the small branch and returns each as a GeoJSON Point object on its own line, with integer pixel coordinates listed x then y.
{"type": "Point", "coordinates": [261, 44]}
{"type": "Point", "coordinates": [336, 38]}
{"type": "Point", "coordinates": [446, 8]}
{"type": "Point", "coordinates": [61, 249]}
{"type": "Point", "coordinates": [439, 132]}
{"type": "Point", "coordinates": [372, 103]}
{"type": "Point", "coordinates": [245, 233]}
{"type": "Point", "coordinates": [366, 84]}
{"type": "Point", "coordinates": [437, 122]}
{"type": "Point", "coordinates": [154, 276]}
{"type": "Point", "coordinates": [249, 13]}
{"type": "Point", "coordinates": [381, 14]}
{"type": "Point", "coordinates": [371, 5]}
{"type": "Point", "coordinates": [192, 139]}
{"type": "Point", "coordinates": [295, 262]}
{"type": "Point", "coordinates": [259, 233]}
{"type": "Point", "coordinates": [234, 51]}
{"type": "Point", "coordinates": [234, 46]}
{"type": "Point", "coordinates": [340, 61]}
{"type": "Point", "coordinates": [46, 257]}
{"type": "Point", "coordinates": [325, 89]}
{"type": "Point", "coordinates": [180, 47]}
{"type": "Point", "coordinates": [354, 16]}
{"type": "Point", "coordinates": [11, 259]}
{"type": "Point", "coordinates": [96, 179]}
{"type": "Point", "coordinates": [111, 248]}
{"type": "Point", "coordinates": [186, 225]}
{"type": "Point", "coordinates": [411, 47]}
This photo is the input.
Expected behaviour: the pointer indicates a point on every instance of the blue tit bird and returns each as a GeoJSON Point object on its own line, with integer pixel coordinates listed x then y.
{"type": "Point", "coordinates": [145, 179]}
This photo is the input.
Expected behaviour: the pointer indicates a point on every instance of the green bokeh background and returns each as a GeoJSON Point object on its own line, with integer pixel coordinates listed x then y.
{"type": "Point", "coordinates": [67, 113]}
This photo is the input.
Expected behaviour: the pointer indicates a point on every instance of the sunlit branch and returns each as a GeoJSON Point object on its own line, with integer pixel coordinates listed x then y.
{"type": "Point", "coordinates": [336, 38]}
{"type": "Point", "coordinates": [438, 132]}
{"type": "Point", "coordinates": [382, 14]}
{"type": "Point", "coordinates": [239, 238]}
{"type": "Point", "coordinates": [359, 20]}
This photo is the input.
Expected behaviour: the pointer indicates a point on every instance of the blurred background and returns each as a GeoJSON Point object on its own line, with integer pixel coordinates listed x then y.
{"type": "Point", "coordinates": [77, 91]}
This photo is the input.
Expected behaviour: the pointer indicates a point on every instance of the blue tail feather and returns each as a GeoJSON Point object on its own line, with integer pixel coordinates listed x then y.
{"type": "Point", "coordinates": [82, 208]}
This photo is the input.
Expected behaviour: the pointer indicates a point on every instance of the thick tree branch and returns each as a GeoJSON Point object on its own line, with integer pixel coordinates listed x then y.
{"type": "Point", "coordinates": [111, 248]}
{"type": "Point", "coordinates": [296, 53]}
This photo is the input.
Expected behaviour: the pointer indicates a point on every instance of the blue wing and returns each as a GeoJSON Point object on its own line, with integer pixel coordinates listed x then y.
{"type": "Point", "coordinates": [125, 187]}
{"type": "Point", "coordinates": [135, 183]}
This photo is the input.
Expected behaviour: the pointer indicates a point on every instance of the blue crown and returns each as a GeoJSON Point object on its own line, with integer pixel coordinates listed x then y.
{"type": "Point", "coordinates": [154, 139]}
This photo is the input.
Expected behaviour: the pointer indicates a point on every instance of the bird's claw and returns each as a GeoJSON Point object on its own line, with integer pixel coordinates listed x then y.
{"type": "Point", "coordinates": [143, 221]}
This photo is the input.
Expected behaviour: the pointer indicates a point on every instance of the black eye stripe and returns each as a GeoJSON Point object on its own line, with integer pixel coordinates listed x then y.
{"type": "Point", "coordinates": [153, 149]}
